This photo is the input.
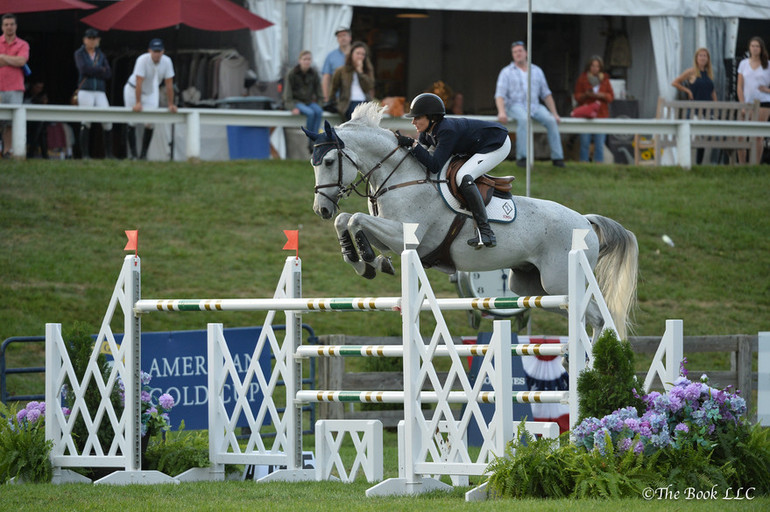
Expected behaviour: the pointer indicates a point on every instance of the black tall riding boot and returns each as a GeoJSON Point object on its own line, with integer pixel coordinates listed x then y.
{"type": "Point", "coordinates": [131, 142]}
{"type": "Point", "coordinates": [107, 136]}
{"type": "Point", "coordinates": [146, 138]}
{"type": "Point", "coordinates": [475, 203]}
{"type": "Point", "coordinates": [85, 142]}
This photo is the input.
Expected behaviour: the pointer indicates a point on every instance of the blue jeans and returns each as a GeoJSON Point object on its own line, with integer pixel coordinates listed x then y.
{"type": "Point", "coordinates": [540, 114]}
{"type": "Point", "coordinates": [314, 114]}
{"type": "Point", "coordinates": [585, 146]}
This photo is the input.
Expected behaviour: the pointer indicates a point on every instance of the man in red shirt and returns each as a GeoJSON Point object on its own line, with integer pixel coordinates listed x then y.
{"type": "Point", "coordinates": [14, 53]}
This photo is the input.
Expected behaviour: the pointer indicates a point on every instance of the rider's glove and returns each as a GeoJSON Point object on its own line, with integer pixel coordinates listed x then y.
{"type": "Point", "coordinates": [403, 140]}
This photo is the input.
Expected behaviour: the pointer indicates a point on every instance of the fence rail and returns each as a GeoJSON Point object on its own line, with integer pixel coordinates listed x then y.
{"type": "Point", "coordinates": [193, 118]}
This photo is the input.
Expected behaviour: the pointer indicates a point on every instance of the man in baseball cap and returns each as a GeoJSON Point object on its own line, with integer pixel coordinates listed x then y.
{"type": "Point", "coordinates": [142, 90]}
{"type": "Point", "coordinates": [335, 59]}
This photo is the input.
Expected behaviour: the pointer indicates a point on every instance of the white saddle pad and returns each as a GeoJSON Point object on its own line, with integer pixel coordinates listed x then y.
{"type": "Point", "coordinates": [498, 209]}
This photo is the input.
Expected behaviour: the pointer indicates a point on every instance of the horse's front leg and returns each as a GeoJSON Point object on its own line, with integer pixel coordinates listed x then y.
{"type": "Point", "coordinates": [349, 253]}
{"type": "Point", "coordinates": [371, 233]}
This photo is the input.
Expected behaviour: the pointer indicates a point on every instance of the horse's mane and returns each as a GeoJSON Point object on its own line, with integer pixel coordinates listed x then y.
{"type": "Point", "coordinates": [369, 113]}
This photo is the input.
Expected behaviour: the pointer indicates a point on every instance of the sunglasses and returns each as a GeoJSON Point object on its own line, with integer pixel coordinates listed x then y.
{"type": "Point", "coordinates": [517, 43]}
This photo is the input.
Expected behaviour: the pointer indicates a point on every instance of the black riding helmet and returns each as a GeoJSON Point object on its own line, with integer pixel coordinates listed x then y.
{"type": "Point", "coordinates": [426, 104]}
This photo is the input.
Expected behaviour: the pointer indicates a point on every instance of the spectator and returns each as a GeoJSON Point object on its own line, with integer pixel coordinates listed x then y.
{"type": "Point", "coordinates": [697, 83]}
{"type": "Point", "coordinates": [14, 54]}
{"type": "Point", "coordinates": [511, 102]}
{"type": "Point", "coordinates": [37, 131]}
{"type": "Point", "coordinates": [593, 86]}
{"type": "Point", "coordinates": [302, 91]}
{"type": "Point", "coordinates": [335, 59]}
{"type": "Point", "coordinates": [93, 72]}
{"type": "Point", "coordinates": [354, 82]}
{"type": "Point", "coordinates": [142, 90]}
{"type": "Point", "coordinates": [486, 142]}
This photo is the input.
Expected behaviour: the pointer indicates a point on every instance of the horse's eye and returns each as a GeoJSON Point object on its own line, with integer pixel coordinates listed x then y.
{"type": "Point", "coordinates": [328, 161]}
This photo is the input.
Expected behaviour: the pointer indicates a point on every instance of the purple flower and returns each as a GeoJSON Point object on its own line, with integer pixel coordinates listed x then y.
{"type": "Point", "coordinates": [146, 397]}
{"type": "Point", "coordinates": [692, 391]}
{"type": "Point", "coordinates": [34, 405]}
{"type": "Point", "coordinates": [146, 378]}
{"type": "Point", "coordinates": [625, 444]}
{"type": "Point", "coordinates": [682, 369]}
{"type": "Point", "coordinates": [166, 401]}
{"type": "Point", "coordinates": [682, 427]}
{"type": "Point", "coordinates": [33, 415]}
{"type": "Point", "coordinates": [21, 416]}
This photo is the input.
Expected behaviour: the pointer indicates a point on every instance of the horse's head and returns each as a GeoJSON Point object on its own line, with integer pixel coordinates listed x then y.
{"type": "Point", "coordinates": [334, 170]}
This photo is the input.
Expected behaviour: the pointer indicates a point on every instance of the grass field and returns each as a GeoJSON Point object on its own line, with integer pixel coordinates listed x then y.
{"type": "Point", "coordinates": [215, 230]}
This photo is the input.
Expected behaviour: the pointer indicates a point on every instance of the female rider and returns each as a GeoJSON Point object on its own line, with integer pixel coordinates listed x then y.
{"type": "Point", "coordinates": [486, 142]}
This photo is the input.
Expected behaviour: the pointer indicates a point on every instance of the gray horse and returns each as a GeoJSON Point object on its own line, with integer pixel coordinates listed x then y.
{"type": "Point", "coordinates": [361, 154]}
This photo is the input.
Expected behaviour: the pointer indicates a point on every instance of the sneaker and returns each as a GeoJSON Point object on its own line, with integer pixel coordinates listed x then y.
{"type": "Point", "coordinates": [521, 162]}
{"type": "Point", "coordinates": [558, 163]}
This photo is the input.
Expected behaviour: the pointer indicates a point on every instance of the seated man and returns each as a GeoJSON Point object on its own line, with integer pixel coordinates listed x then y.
{"type": "Point", "coordinates": [511, 102]}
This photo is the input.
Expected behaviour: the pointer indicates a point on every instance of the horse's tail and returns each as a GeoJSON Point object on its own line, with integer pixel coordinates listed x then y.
{"type": "Point", "coordinates": [616, 269]}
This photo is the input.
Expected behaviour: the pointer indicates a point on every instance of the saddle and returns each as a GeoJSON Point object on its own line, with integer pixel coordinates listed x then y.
{"type": "Point", "coordinates": [488, 185]}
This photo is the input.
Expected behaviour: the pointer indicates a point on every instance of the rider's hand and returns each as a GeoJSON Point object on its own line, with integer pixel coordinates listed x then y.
{"type": "Point", "coordinates": [403, 140]}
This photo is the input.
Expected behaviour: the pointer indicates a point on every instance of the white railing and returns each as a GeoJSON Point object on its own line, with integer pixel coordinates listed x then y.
{"type": "Point", "coordinates": [193, 118]}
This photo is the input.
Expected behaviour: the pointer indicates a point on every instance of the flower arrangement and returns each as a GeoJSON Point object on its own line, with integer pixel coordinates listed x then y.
{"type": "Point", "coordinates": [24, 451]}
{"type": "Point", "coordinates": [690, 413]}
{"type": "Point", "coordinates": [155, 417]}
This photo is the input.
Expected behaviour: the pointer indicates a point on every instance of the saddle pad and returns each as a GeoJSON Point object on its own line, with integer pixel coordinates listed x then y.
{"type": "Point", "coordinates": [499, 209]}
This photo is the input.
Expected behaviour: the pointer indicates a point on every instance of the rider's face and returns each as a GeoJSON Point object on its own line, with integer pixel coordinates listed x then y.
{"type": "Point", "coordinates": [420, 123]}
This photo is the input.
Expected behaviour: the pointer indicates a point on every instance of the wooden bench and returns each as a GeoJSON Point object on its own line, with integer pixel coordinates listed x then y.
{"type": "Point", "coordinates": [649, 150]}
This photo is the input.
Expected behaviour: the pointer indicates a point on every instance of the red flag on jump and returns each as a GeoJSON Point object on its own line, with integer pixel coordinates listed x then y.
{"type": "Point", "coordinates": [292, 240]}
{"type": "Point", "coordinates": [133, 241]}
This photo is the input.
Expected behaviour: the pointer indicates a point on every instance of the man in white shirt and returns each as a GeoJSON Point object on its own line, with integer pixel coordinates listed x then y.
{"type": "Point", "coordinates": [142, 90]}
{"type": "Point", "coordinates": [511, 102]}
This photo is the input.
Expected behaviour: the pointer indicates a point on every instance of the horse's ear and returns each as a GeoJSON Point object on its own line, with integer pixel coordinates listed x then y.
{"type": "Point", "coordinates": [328, 128]}
{"type": "Point", "coordinates": [310, 135]}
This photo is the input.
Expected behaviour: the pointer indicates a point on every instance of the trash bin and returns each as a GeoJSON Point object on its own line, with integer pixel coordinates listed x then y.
{"type": "Point", "coordinates": [248, 142]}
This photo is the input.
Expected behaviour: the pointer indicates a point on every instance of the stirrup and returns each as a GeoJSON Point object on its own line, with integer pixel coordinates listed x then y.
{"type": "Point", "coordinates": [482, 240]}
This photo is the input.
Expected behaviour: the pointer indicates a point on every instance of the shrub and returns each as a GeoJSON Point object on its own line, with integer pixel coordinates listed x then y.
{"type": "Point", "coordinates": [24, 451]}
{"type": "Point", "coordinates": [177, 452]}
{"type": "Point", "coordinates": [610, 384]}
{"type": "Point", "coordinates": [532, 467]}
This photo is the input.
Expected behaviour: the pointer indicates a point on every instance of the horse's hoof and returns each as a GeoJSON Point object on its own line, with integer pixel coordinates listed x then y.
{"type": "Point", "coordinates": [386, 266]}
{"type": "Point", "coordinates": [369, 272]}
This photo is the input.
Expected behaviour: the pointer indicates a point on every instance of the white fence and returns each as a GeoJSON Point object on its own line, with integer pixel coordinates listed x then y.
{"type": "Point", "coordinates": [281, 443]}
{"type": "Point", "coordinates": [192, 119]}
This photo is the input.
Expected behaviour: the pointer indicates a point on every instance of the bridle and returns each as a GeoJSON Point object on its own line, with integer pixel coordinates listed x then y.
{"type": "Point", "coordinates": [344, 191]}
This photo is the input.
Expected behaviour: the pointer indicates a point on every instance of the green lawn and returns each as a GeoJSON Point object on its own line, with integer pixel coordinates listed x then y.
{"type": "Point", "coordinates": [215, 230]}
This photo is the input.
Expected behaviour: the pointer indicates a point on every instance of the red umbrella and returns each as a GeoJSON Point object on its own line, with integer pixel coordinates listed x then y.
{"type": "Point", "coordinates": [141, 15]}
{"type": "Point", "coordinates": [20, 6]}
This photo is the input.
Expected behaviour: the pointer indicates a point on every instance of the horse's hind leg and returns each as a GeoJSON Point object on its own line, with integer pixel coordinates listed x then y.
{"type": "Point", "coordinates": [349, 253]}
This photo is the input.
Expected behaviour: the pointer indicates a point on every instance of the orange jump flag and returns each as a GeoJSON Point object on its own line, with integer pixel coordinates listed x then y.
{"type": "Point", "coordinates": [133, 241]}
{"type": "Point", "coordinates": [292, 243]}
